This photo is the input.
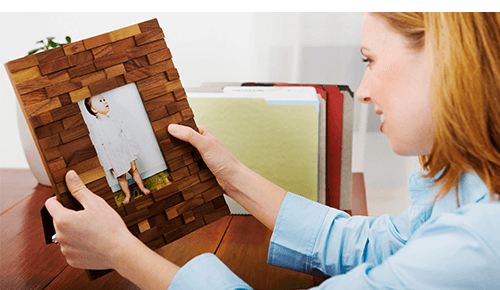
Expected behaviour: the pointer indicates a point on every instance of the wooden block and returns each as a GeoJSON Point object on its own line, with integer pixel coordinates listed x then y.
{"type": "Point", "coordinates": [219, 202]}
{"type": "Point", "coordinates": [50, 142]}
{"type": "Point", "coordinates": [57, 164]}
{"type": "Point", "coordinates": [102, 86]}
{"type": "Point", "coordinates": [26, 74]}
{"type": "Point", "coordinates": [74, 133]}
{"type": "Point", "coordinates": [82, 69]}
{"type": "Point", "coordinates": [123, 44]}
{"type": "Point", "coordinates": [177, 106]}
{"type": "Point", "coordinates": [145, 49]}
{"type": "Point", "coordinates": [130, 207]}
{"type": "Point", "coordinates": [160, 206]}
{"type": "Point", "coordinates": [193, 226]}
{"type": "Point", "coordinates": [187, 114]}
{"type": "Point", "coordinates": [80, 155]}
{"type": "Point", "coordinates": [188, 217]}
{"type": "Point", "coordinates": [177, 151]}
{"type": "Point", "coordinates": [213, 193]}
{"type": "Point", "coordinates": [64, 112]}
{"type": "Point", "coordinates": [159, 55]}
{"type": "Point", "coordinates": [165, 192]}
{"type": "Point", "coordinates": [157, 243]}
{"type": "Point", "coordinates": [124, 32]}
{"type": "Point", "coordinates": [172, 74]}
{"type": "Point", "coordinates": [32, 85]}
{"type": "Point", "coordinates": [49, 55]}
{"type": "Point", "coordinates": [179, 174]}
{"type": "Point", "coordinates": [42, 106]}
{"type": "Point", "coordinates": [135, 217]}
{"type": "Point", "coordinates": [188, 182]}
{"type": "Point", "coordinates": [120, 80]}
{"type": "Point", "coordinates": [193, 168]}
{"type": "Point", "coordinates": [72, 48]}
{"type": "Point", "coordinates": [102, 50]}
{"type": "Point", "coordinates": [42, 119]}
{"type": "Point", "coordinates": [89, 164]}
{"type": "Point", "coordinates": [48, 130]}
{"type": "Point", "coordinates": [96, 185]}
{"type": "Point", "coordinates": [73, 121]}
{"type": "Point", "coordinates": [152, 92]}
{"type": "Point", "coordinates": [151, 82]}
{"type": "Point", "coordinates": [115, 70]}
{"type": "Point", "coordinates": [33, 97]}
{"type": "Point", "coordinates": [80, 94]}
{"type": "Point", "coordinates": [205, 174]}
{"type": "Point", "coordinates": [180, 94]}
{"type": "Point", "coordinates": [157, 219]}
{"type": "Point", "coordinates": [158, 113]}
{"type": "Point", "coordinates": [110, 60]}
{"type": "Point", "coordinates": [136, 63]}
{"type": "Point", "coordinates": [137, 75]}
{"type": "Point", "coordinates": [64, 99]}
{"type": "Point", "coordinates": [63, 87]}
{"type": "Point", "coordinates": [54, 65]}
{"type": "Point", "coordinates": [96, 41]}
{"type": "Point", "coordinates": [148, 235]}
{"type": "Point", "coordinates": [203, 209]}
{"type": "Point", "coordinates": [58, 77]}
{"type": "Point", "coordinates": [91, 78]}
{"type": "Point", "coordinates": [143, 201]}
{"type": "Point", "coordinates": [80, 58]}
{"type": "Point", "coordinates": [162, 100]}
{"type": "Point", "coordinates": [149, 25]}
{"type": "Point", "coordinates": [92, 175]}
{"type": "Point", "coordinates": [162, 124]}
{"type": "Point", "coordinates": [216, 214]}
{"type": "Point", "coordinates": [173, 85]}
{"type": "Point", "coordinates": [149, 36]}
{"type": "Point", "coordinates": [68, 149]}
{"type": "Point", "coordinates": [144, 226]}
{"type": "Point", "coordinates": [180, 162]}
{"type": "Point", "coordinates": [51, 154]}
{"type": "Point", "coordinates": [22, 63]}
{"type": "Point", "coordinates": [190, 204]}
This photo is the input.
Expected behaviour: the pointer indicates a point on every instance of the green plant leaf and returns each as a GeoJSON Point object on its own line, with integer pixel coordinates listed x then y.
{"type": "Point", "coordinates": [33, 51]}
{"type": "Point", "coordinates": [68, 39]}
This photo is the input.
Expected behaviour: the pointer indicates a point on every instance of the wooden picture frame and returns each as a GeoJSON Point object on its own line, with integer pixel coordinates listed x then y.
{"type": "Point", "coordinates": [48, 86]}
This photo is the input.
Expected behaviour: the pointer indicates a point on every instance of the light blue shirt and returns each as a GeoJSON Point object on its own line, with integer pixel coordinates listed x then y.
{"type": "Point", "coordinates": [431, 245]}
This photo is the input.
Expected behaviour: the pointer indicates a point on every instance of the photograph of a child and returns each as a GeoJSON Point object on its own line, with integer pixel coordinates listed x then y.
{"type": "Point", "coordinates": [124, 141]}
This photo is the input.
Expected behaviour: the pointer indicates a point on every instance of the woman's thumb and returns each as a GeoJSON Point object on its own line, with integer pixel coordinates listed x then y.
{"type": "Point", "coordinates": [77, 188]}
{"type": "Point", "coordinates": [185, 133]}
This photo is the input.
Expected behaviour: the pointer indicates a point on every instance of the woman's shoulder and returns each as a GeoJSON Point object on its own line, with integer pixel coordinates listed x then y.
{"type": "Point", "coordinates": [476, 222]}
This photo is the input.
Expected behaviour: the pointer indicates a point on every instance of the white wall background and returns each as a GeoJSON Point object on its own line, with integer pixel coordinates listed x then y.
{"type": "Point", "coordinates": [228, 47]}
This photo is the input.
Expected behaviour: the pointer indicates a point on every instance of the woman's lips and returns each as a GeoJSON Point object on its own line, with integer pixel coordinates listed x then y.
{"type": "Point", "coordinates": [382, 120]}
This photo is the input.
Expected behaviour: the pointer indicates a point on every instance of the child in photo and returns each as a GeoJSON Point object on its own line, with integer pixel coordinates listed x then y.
{"type": "Point", "coordinates": [116, 149]}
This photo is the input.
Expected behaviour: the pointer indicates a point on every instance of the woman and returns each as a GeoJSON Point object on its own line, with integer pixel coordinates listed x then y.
{"type": "Point", "coordinates": [436, 79]}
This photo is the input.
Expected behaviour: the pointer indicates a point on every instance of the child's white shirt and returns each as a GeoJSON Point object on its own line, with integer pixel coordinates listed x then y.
{"type": "Point", "coordinates": [115, 146]}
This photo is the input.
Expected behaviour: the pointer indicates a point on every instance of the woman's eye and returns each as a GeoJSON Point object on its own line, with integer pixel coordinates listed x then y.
{"type": "Point", "coordinates": [367, 60]}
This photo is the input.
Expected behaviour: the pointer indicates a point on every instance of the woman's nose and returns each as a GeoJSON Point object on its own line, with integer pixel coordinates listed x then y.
{"type": "Point", "coordinates": [363, 92]}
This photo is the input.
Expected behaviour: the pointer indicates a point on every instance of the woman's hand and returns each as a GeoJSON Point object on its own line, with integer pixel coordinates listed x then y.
{"type": "Point", "coordinates": [91, 238]}
{"type": "Point", "coordinates": [259, 196]}
{"type": "Point", "coordinates": [217, 157]}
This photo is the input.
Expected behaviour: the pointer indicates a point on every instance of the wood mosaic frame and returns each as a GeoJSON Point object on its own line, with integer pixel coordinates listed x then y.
{"type": "Point", "coordinates": [48, 85]}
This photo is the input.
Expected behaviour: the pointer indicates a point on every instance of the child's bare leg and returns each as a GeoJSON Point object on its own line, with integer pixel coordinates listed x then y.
{"type": "Point", "coordinates": [122, 181]}
{"type": "Point", "coordinates": [137, 178]}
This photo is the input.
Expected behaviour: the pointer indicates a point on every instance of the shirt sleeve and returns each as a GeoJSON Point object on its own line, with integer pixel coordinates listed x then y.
{"type": "Point", "coordinates": [312, 238]}
{"type": "Point", "coordinates": [206, 272]}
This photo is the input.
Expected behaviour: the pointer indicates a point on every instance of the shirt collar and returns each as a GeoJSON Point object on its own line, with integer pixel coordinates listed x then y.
{"type": "Point", "coordinates": [471, 187]}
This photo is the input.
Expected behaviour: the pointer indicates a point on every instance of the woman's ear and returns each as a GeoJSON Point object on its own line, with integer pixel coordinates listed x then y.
{"type": "Point", "coordinates": [93, 109]}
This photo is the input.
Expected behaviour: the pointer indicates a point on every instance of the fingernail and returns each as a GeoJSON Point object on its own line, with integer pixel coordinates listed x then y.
{"type": "Point", "coordinates": [173, 128]}
{"type": "Point", "coordinates": [72, 176]}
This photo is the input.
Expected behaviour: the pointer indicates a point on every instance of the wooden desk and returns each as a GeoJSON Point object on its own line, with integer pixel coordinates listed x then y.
{"type": "Point", "coordinates": [26, 262]}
